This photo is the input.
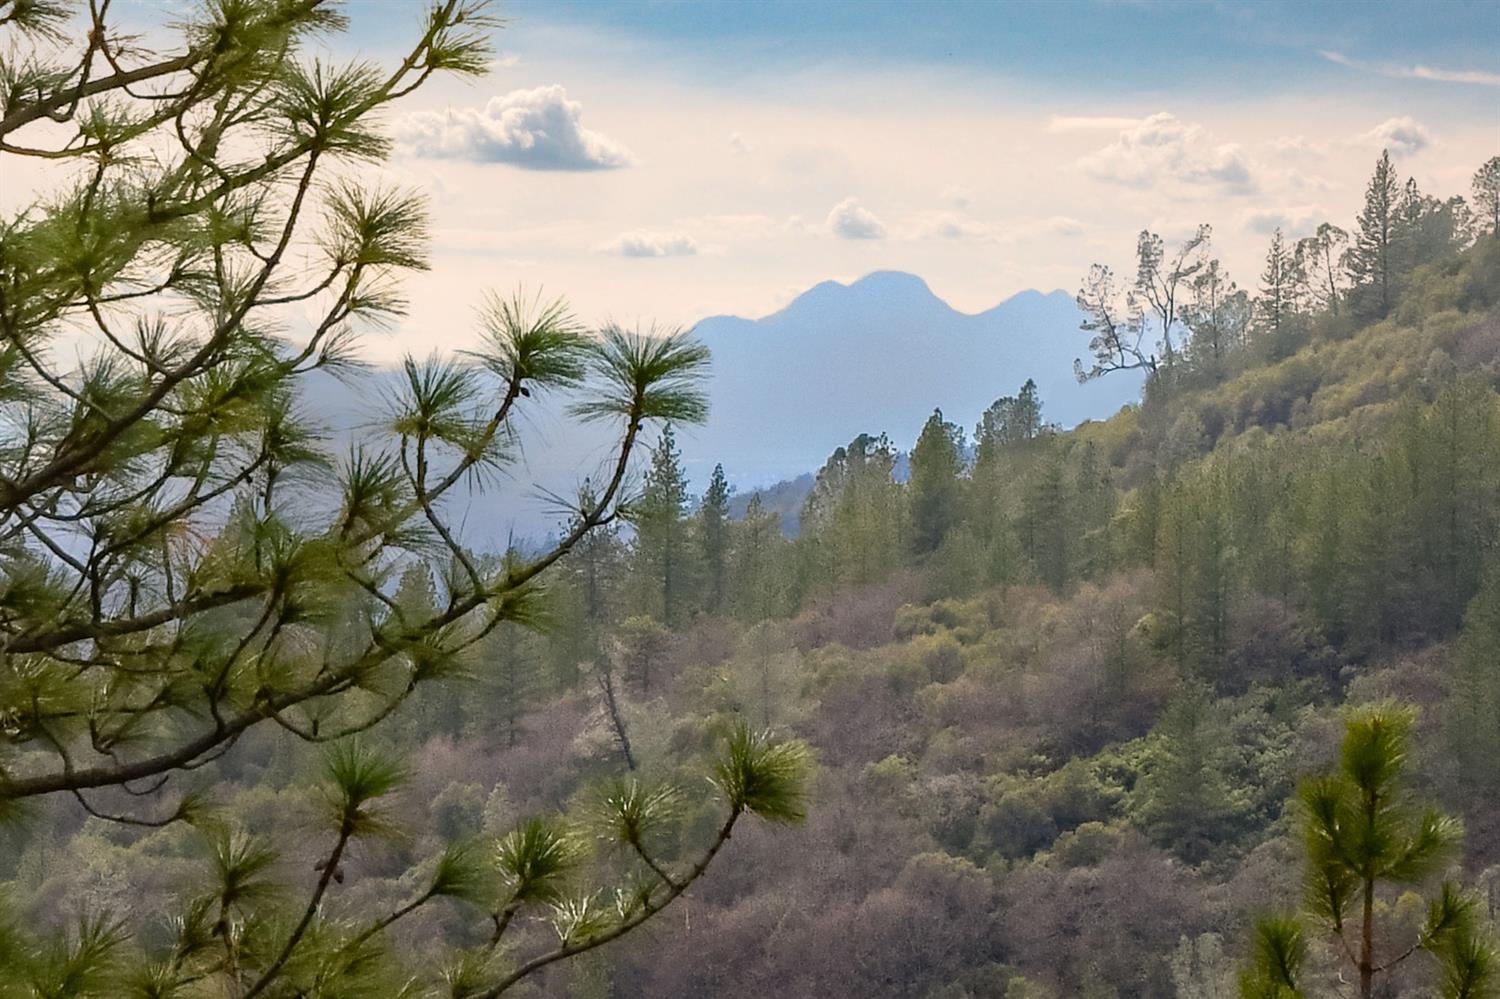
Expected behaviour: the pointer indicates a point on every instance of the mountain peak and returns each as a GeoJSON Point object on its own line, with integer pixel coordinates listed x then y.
{"type": "Point", "coordinates": [878, 293]}
{"type": "Point", "coordinates": [893, 282]}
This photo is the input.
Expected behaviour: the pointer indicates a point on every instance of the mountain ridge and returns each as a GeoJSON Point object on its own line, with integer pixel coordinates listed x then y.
{"type": "Point", "coordinates": [889, 278]}
{"type": "Point", "coordinates": [875, 355]}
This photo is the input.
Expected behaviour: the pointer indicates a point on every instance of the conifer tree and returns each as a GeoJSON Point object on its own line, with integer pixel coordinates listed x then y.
{"type": "Point", "coordinates": [713, 538]}
{"type": "Point", "coordinates": [1276, 308]}
{"type": "Point", "coordinates": [1474, 693]}
{"type": "Point", "coordinates": [936, 464]}
{"type": "Point", "coordinates": [1010, 421]}
{"type": "Point", "coordinates": [661, 530]}
{"type": "Point", "coordinates": [1486, 191]}
{"type": "Point", "coordinates": [757, 579]}
{"type": "Point", "coordinates": [1184, 801]}
{"type": "Point", "coordinates": [1363, 833]}
{"type": "Point", "coordinates": [185, 561]}
{"type": "Point", "coordinates": [1372, 256]}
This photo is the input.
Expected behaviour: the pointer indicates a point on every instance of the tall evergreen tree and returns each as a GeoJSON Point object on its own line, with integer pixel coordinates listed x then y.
{"type": "Point", "coordinates": [713, 538]}
{"type": "Point", "coordinates": [757, 581]}
{"type": "Point", "coordinates": [1486, 192]}
{"type": "Point", "coordinates": [1046, 515]}
{"type": "Point", "coordinates": [1372, 256]}
{"type": "Point", "coordinates": [936, 466]}
{"type": "Point", "coordinates": [661, 545]}
{"type": "Point", "coordinates": [1184, 800]}
{"type": "Point", "coordinates": [1276, 307]}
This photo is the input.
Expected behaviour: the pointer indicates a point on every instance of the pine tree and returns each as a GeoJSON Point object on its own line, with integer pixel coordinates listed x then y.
{"type": "Point", "coordinates": [1184, 800]}
{"type": "Point", "coordinates": [215, 233]}
{"type": "Point", "coordinates": [1362, 832]}
{"type": "Point", "coordinates": [936, 464]}
{"type": "Point", "coordinates": [1276, 308]}
{"type": "Point", "coordinates": [1010, 422]}
{"type": "Point", "coordinates": [1371, 258]}
{"type": "Point", "coordinates": [661, 531]}
{"type": "Point", "coordinates": [755, 543]}
{"type": "Point", "coordinates": [713, 538]}
{"type": "Point", "coordinates": [593, 569]}
{"type": "Point", "coordinates": [1486, 191]}
{"type": "Point", "coordinates": [1045, 518]}
{"type": "Point", "coordinates": [1474, 695]}
{"type": "Point", "coordinates": [854, 527]}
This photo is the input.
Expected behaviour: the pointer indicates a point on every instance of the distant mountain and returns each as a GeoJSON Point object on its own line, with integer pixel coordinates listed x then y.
{"type": "Point", "coordinates": [877, 356]}
{"type": "Point", "coordinates": [873, 356]}
{"type": "Point", "coordinates": [785, 499]}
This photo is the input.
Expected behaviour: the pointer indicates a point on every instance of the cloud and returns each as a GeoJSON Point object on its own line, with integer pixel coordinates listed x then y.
{"type": "Point", "coordinates": [1297, 145]}
{"type": "Point", "coordinates": [737, 144]}
{"type": "Point", "coordinates": [641, 243]}
{"type": "Point", "coordinates": [1075, 123]}
{"type": "Point", "coordinates": [1063, 225]}
{"type": "Point", "coordinates": [952, 225]}
{"type": "Point", "coordinates": [1163, 147]}
{"type": "Point", "coordinates": [851, 220]}
{"type": "Point", "coordinates": [536, 129]}
{"type": "Point", "coordinates": [1404, 135]}
{"type": "Point", "coordinates": [1293, 222]}
{"type": "Point", "coordinates": [1479, 77]}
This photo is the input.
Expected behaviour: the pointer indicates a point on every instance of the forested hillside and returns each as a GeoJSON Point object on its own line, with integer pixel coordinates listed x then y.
{"type": "Point", "coordinates": [1199, 700]}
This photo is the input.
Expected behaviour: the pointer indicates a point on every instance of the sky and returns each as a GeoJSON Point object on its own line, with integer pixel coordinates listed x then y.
{"type": "Point", "coordinates": [665, 161]}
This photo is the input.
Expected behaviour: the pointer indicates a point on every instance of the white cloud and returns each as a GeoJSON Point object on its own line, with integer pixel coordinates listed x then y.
{"type": "Point", "coordinates": [1296, 145]}
{"type": "Point", "coordinates": [1403, 135]}
{"type": "Point", "coordinates": [1163, 147]}
{"type": "Point", "coordinates": [1075, 123]}
{"type": "Point", "coordinates": [1293, 222]}
{"type": "Point", "coordinates": [642, 243]}
{"type": "Point", "coordinates": [851, 220]}
{"type": "Point", "coordinates": [1064, 225]}
{"type": "Point", "coordinates": [1475, 76]}
{"type": "Point", "coordinates": [737, 144]}
{"type": "Point", "coordinates": [951, 225]}
{"type": "Point", "coordinates": [539, 129]}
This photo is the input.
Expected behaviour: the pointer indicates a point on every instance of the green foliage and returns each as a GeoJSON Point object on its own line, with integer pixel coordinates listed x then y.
{"type": "Point", "coordinates": [1363, 829]}
{"type": "Point", "coordinates": [649, 376]}
{"type": "Point", "coordinates": [1278, 956]}
{"type": "Point", "coordinates": [1474, 704]}
{"type": "Point", "coordinates": [659, 515]}
{"type": "Point", "coordinates": [936, 464]}
{"type": "Point", "coordinates": [537, 859]}
{"type": "Point", "coordinates": [358, 776]}
{"type": "Point", "coordinates": [764, 776]}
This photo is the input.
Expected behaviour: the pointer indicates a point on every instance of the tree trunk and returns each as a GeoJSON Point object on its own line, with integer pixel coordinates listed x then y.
{"type": "Point", "coordinates": [607, 685]}
{"type": "Point", "coordinates": [1367, 943]}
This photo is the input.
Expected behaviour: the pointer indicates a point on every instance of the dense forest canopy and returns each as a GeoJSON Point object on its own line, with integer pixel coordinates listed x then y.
{"type": "Point", "coordinates": [1199, 700]}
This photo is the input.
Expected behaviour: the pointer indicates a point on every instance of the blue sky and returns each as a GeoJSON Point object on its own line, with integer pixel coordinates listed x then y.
{"type": "Point", "coordinates": [672, 160]}
{"type": "Point", "coordinates": [1078, 46]}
